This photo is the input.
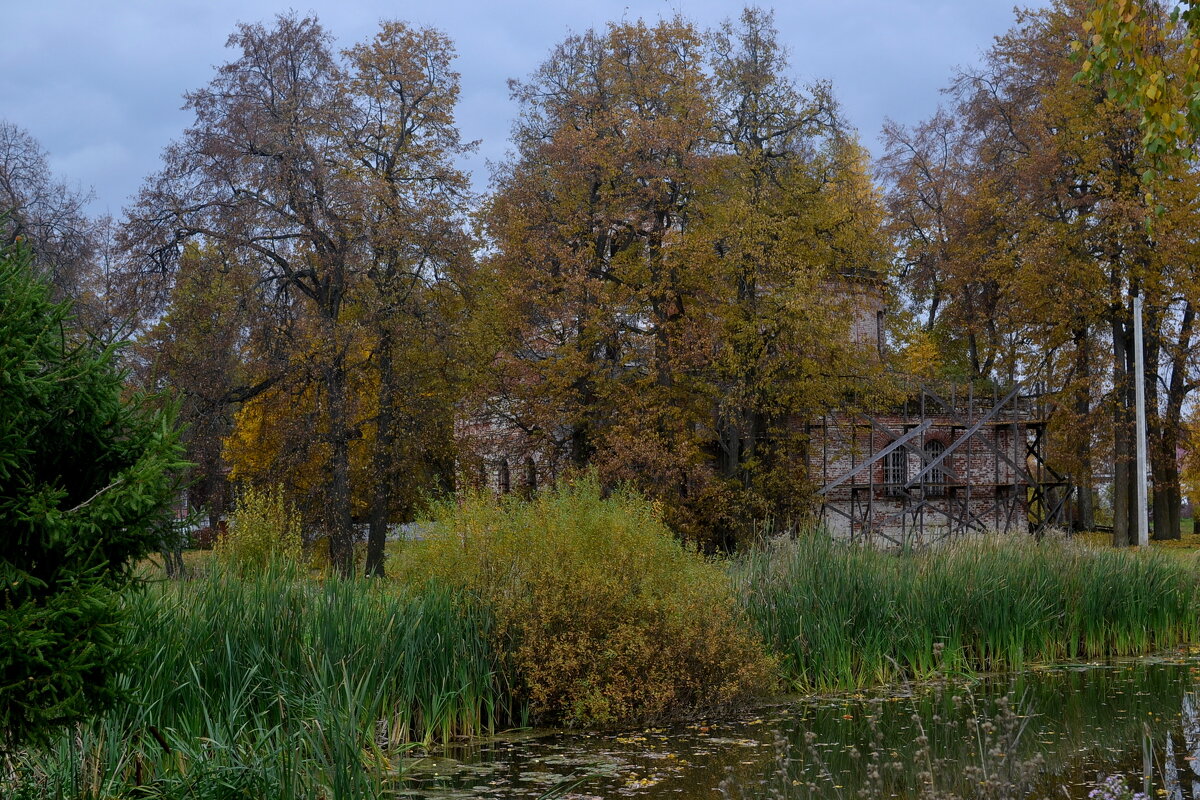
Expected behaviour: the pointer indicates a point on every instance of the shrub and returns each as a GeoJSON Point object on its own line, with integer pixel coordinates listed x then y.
{"type": "Point", "coordinates": [85, 481]}
{"type": "Point", "coordinates": [601, 615]}
{"type": "Point", "coordinates": [263, 528]}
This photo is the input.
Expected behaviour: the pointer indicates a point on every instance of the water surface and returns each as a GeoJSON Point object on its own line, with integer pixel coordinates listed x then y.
{"type": "Point", "coordinates": [1069, 724]}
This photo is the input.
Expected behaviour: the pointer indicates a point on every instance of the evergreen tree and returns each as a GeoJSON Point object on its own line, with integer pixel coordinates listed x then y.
{"type": "Point", "coordinates": [86, 479]}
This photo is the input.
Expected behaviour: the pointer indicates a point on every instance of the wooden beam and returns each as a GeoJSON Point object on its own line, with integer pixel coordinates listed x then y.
{"type": "Point", "coordinates": [950, 448]}
{"type": "Point", "coordinates": [917, 431]}
{"type": "Point", "coordinates": [907, 446]}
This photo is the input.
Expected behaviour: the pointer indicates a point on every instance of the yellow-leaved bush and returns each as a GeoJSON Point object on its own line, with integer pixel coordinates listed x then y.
{"type": "Point", "coordinates": [601, 615]}
{"type": "Point", "coordinates": [263, 528]}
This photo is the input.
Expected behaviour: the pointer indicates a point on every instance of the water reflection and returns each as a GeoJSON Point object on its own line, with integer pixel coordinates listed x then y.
{"type": "Point", "coordinates": [1174, 776]}
{"type": "Point", "coordinates": [1054, 730]}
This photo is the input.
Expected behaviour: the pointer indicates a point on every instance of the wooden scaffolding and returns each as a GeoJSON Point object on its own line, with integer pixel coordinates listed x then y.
{"type": "Point", "coordinates": [987, 472]}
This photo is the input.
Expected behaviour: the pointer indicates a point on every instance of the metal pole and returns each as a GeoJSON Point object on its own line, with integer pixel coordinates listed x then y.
{"type": "Point", "coordinates": [1139, 378]}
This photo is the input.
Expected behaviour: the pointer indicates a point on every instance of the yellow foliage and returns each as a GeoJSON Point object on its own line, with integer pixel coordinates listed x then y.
{"type": "Point", "coordinates": [1189, 478]}
{"type": "Point", "coordinates": [920, 355]}
{"type": "Point", "coordinates": [282, 437]}
{"type": "Point", "coordinates": [263, 528]}
{"type": "Point", "coordinates": [603, 617]}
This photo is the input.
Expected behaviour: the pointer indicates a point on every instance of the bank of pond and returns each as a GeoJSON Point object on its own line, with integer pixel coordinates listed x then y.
{"type": "Point", "coordinates": [581, 612]}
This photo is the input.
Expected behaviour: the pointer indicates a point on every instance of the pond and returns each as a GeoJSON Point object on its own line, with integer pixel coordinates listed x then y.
{"type": "Point", "coordinates": [1053, 729]}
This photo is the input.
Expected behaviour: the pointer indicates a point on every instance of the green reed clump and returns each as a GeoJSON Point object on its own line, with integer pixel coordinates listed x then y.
{"type": "Point", "coordinates": [843, 616]}
{"type": "Point", "coordinates": [602, 616]}
{"type": "Point", "coordinates": [275, 686]}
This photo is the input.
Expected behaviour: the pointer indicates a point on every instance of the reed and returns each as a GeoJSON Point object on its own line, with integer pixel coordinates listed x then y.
{"type": "Point", "coordinates": [275, 686]}
{"type": "Point", "coordinates": [575, 607]}
{"type": "Point", "coordinates": [843, 616]}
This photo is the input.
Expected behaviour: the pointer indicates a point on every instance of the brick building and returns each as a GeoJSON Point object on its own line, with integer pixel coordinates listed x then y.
{"type": "Point", "coordinates": [946, 461]}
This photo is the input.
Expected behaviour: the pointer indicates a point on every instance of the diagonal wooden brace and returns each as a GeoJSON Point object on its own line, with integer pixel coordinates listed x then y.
{"type": "Point", "coordinates": [968, 519]}
{"type": "Point", "coordinates": [961, 440]}
{"type": "Point", "coordinates": [891, 434]}
{"type": "Point", "coordinates": [989, 443]}
{"type": "Point", "coordinates": [917, 431]}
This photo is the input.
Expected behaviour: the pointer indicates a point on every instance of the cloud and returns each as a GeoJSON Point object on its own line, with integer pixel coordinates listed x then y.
{"type": "Point", "coordinates": [100, 85]}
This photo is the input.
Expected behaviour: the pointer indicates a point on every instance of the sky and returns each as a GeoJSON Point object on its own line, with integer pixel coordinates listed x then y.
{"type": "Point", "coordinates": [100, 83]}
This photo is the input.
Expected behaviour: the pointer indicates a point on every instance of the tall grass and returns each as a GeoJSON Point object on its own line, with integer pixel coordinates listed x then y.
{"type": "Point", "coordinates": [264, 529]}
{"type": "Point", "coordinates": [276, 686]}
{"type": "Point", "coordinates": [580, 608]}
{"type": "Point", "coordinates": [842, 616]}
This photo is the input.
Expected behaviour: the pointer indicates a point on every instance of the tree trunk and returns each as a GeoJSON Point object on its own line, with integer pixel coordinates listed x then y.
{"type": "Point", "coordinates": [1085, 514]}
{"type": "Point", "coordinates": [1124, 533]}
{"type": "Point", "coordinates": [1167, 499]}
{"type": "Point", "coordinates": [739, 428]}
{"type": "Point", "coordinates": [1155, 430]}
{"type": "Point", "coordinates": [1168, 494]}
{"type": "Point", "coordinates": [383, 460]}
{"type": "Point", "coordinates": [172, 550]}
{"type": "Point", "coordinates": [729, 456]}
{"type": "Point", "coordinates": [339, 522]}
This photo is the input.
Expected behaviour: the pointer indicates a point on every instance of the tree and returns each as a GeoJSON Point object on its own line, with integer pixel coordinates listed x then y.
{"type": "Point", "coordinates": [252, 176]}
{"type": "Point", "coordinates": [791, 212]}
{"type": "Point", "coordinates": [402, 143]}
{"type": "Point", "coordinates": [592, 292]}
{"type": "Point", "coordinates": [1149, 62]}
{"type": "Point", "coordinates": [664, 241]}
{"type": "Point", "coordinates": [46, 214]}
{"type": "Point", "coordinates": [86, 479]}
{"type": "Point", "coordinates": [198, 351]}
{"type": "Point", "coordinates": [327, 179]}
{"type": "Point", "coordinates": [1025, 210]}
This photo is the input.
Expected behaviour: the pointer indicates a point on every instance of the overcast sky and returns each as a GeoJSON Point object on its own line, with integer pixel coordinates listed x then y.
{"type": "Point", "coordinates": [99, 83]}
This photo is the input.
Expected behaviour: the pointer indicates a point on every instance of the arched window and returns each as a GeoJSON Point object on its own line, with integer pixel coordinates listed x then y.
{"type": "Point", "coordinates": [504, 480]}
{"type": "Point", "coordinates": [895, 469]}
{"type": "Point", "coordinates": [935, 480]}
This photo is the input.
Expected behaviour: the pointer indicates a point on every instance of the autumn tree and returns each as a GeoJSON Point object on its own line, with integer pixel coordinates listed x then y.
{"type": "Point", "coordinates": [1098, 167]}
{"type": "Point", "coordinates": [1148, 61]}
{"type": "Point", "coordinates": [49, 217]}
{"type": "Point", "coordinates": [675, 212]}
{"type": "Point", "coordinates": [203, 349]}
{"type": "Point", "coordinates": [312, 173]}
{"type": "Point", "coordinates": [944, 216]}
{"type": "Point", "coordinates": [1024, 210]}
{"type": "Point", "coordinates": [792, 224]}
{"type": "Point", "coordinates": [611, 149]}
{"type": "Point", "coordinates": [43, 212]}
{"type": "Point", "coordinates": [419, 257]}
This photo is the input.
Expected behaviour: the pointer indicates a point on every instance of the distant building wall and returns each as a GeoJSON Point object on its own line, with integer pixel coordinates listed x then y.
{"type": "Point", "coordinates": [980, 486]}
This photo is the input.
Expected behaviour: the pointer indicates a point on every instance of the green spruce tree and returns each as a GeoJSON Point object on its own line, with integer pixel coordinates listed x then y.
{"type": "Point", "coordinates": [86, 479]}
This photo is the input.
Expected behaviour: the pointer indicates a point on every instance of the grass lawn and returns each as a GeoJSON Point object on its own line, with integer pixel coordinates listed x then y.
{"type": "Point", "coordinates": [1187, 546]}
{"type": "Point", "coordinates": [194, 561]}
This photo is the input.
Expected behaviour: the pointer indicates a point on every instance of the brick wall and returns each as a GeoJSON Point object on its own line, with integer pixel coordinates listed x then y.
{"type": "Point", "coordinates": [981, 490]}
